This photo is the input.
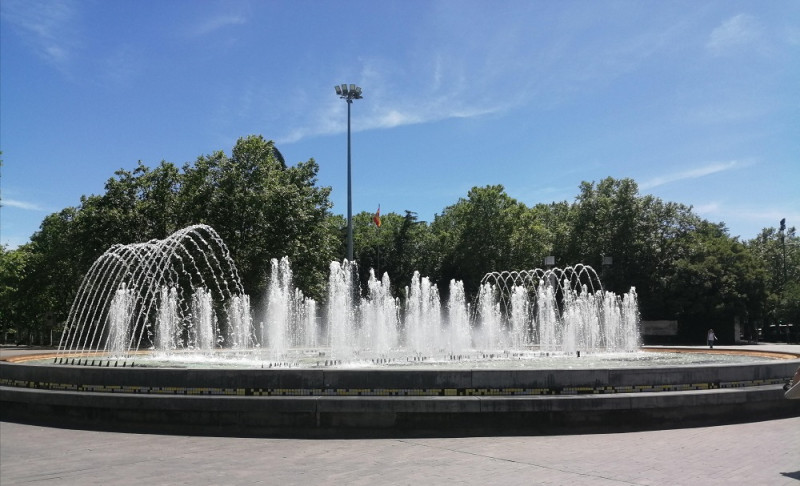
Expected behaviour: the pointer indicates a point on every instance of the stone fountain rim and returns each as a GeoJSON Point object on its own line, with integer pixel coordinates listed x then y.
{"type": "Point", "coordinates": [341, 403]}
{"type": "Point", "coordinates": [777, 355]}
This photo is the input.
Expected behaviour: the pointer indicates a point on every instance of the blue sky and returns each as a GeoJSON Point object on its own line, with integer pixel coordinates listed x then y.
{"type": "Point", "coordinates": [699, 102]}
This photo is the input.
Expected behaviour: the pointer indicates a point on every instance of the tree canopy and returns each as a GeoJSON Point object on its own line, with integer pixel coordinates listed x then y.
{"type": "Point", "coordinates": [682, 266]}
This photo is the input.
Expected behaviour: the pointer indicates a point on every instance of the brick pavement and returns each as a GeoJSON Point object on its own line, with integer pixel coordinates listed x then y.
{"type": "Point", "coordinates": [756, 453]}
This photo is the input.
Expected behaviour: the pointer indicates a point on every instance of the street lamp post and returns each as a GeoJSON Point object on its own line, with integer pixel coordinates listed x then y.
{"type": "Point", "coordinates": [783, 243]}
{"type": "Point", "coordinates": [349, 94]}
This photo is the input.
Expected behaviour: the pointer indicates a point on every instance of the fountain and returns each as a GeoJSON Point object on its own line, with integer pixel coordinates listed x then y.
{"type": "Point", "coordinates": [161, 337]}
{"type": "Point", "coordinates": [163, 292]}
{"type": "Point", "coordinates": [181, 298]}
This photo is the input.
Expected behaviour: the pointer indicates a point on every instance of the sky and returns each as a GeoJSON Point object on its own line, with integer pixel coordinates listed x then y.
{"type": "Point", "coordinates": [698, 102]}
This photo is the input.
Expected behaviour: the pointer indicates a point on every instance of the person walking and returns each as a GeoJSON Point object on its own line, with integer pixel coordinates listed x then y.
{"type": "Point", "coordinates": [710, 338]}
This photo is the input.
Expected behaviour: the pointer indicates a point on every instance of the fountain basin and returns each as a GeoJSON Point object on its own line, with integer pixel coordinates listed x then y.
{"type": "Point", "coordinates": [394, 402]}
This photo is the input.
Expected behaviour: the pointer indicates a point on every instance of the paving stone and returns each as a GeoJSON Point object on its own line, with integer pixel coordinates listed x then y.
{"type": "Point", "coordinates": [756, 453]}
{"type": "Point", "coordinates": [753, 453]}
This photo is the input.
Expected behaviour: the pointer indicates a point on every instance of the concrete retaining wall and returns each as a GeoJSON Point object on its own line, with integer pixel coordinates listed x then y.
{"type": "Point", "coordinates": [338, 379]}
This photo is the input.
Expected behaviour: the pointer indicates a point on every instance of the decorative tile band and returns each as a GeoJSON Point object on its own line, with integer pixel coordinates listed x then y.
{"type": "Point", "coordinates": [382, 392]}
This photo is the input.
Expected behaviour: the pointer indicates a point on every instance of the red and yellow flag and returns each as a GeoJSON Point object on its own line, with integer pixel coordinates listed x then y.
{"type": "Point", "coordinates": [376, 218]}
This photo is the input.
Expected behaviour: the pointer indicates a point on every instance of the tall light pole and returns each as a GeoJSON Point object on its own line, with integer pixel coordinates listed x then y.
{"type": "Point", "coordinates": [349, 94]}
{"type": "Point", "coordinates": [783, 243]}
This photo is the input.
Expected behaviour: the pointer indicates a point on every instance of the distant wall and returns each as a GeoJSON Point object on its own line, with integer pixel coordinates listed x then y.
{"type": "Point", "coordinates": [659, 332]}
{"type": "Point", "coordinates": [659, 328]}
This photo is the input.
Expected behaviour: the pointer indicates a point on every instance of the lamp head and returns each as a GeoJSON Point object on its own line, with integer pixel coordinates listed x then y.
{"type": "Point", "coordinates": [352, 92]}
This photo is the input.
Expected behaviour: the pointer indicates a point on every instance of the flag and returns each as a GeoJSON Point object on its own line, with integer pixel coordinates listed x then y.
{"type": "Point", "coordinates": [376, 218]}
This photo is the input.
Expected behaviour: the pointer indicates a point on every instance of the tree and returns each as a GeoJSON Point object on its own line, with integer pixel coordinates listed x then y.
{"type": "Point", "coordinates": [263, 209]}
{"type": "Point", "coordinates": [53, 272]}
{"type": "Point", "coordinates": [607, 221]}
{"type": "Point", "coordinates": [555, 220]}
{"type": "Point", "coordinates": [716, 282]}
{"type": "Point", "coordinates": [475, 235]}
{"type": "Point", "coordinates": [663, 232]}
{"type": "Point", "coordinates": [682, 266]}
{"type": "Point", "coordinates": [397, 247]}
{"type": "Point", "coordinates": [13, 267]}
{"type": "Point", "coordinates": [782, 303]}
{"type": "Point", "coordinates": [157, 192]}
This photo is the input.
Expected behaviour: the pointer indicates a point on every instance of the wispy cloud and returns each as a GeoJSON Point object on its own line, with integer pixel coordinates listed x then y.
{"type": "Point", "coordinates": [457, 76]}
{"type": "Point", "coordinates": [729, 111]}
{"type": "Point", "coordinates": [47, 26]}
{"type": "Point", "coordinates": [213, 24]}
{"type": "Point", "coordinates": [384, 112]}
{"type": "Point", "coordinates": [695, 173]}
{"type": "Point", "coordinates": [436, 90]}
{"type": "Point", "coordinates": [707, 208]}
{"type": "Point", "coordinates": [27, 206]}
{"type": "Point", "coordinates": [733, 33]}
{"type": "Point", "coordinates": [770, 214]}
{"type": "Point", "coordinates": [738, 213]}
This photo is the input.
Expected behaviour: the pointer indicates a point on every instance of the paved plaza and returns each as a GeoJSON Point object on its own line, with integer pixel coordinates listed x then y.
{"type": "Point", "coordinates": [758, 453]}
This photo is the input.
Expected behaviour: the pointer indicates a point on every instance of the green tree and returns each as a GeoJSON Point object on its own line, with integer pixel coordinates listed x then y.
{"type": "Point", "coordinates": [53, 272]}
{"type": "Point", "coordinates": [397, 247]}
{"type": "Point", "coordinates": [555, 220]}
{"type": "Point", "coordinates": [157, 206]}
{"type": "Point", "coordinates": [682, 266]}
{"type": "Point", "coordinates": [475, 235]}
{"type": "Point", "coordinates": [779, 256]}
{"type": "Point", "coordinates": [716, 282]}
{"type": "Point", "coordinates": [607, 221]}
{"type": "Point", "coordinates": [14, 264]}
{"type": "Point", "coordinates": [529, 238]}
{"type": "Point", "coordinates": [262, 209]}
{"type": "Point", "coordinates": [665, 230]}
{"type": "Point", "coordinates": [645, 237]}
